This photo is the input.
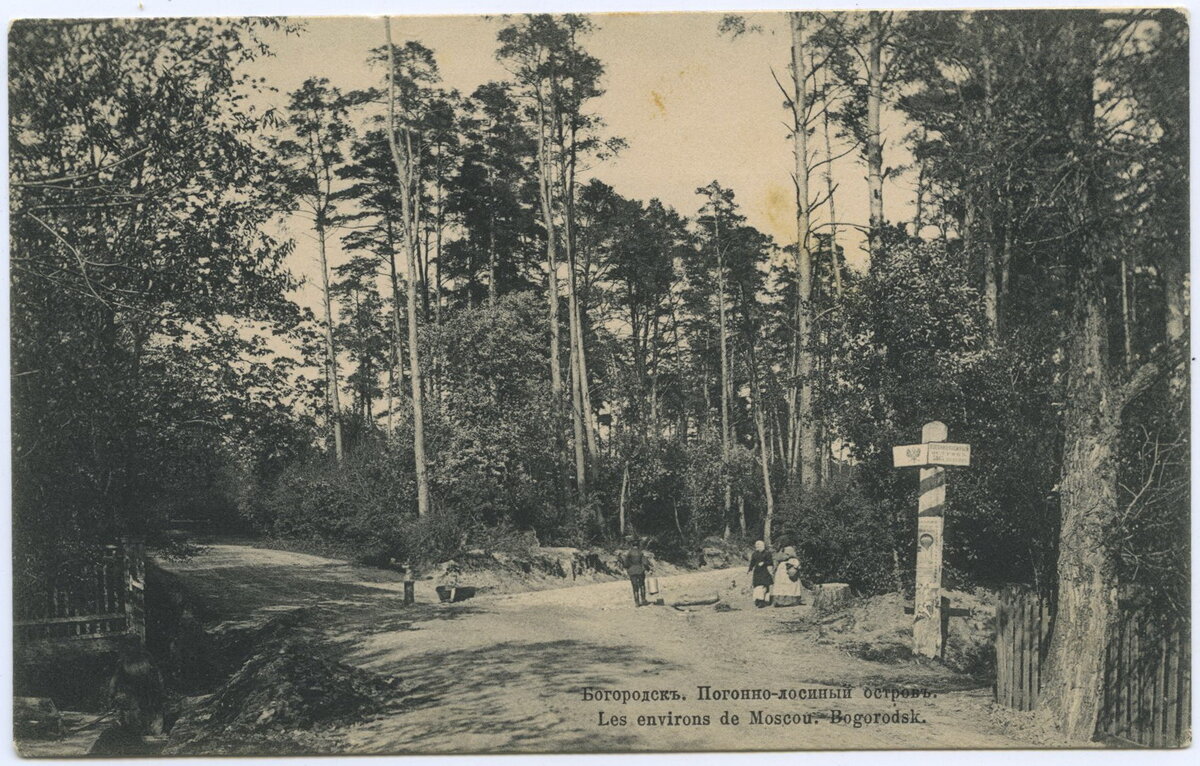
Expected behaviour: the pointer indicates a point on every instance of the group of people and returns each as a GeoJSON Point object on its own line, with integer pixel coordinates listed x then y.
{"type": "Point", "coordinates": [774, 583]}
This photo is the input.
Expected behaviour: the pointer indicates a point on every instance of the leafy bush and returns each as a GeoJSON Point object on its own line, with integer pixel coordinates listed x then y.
{"type": "Point", "coordinates": [840, 536]}
{"type": "Point", "coordinates": [363, 501]}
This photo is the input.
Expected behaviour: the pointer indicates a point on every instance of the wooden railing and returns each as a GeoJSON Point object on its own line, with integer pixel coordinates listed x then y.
{"type": "Point", "coordinates": [102, 597]}
{"type": "Point", "coordinates": [1147, 677]}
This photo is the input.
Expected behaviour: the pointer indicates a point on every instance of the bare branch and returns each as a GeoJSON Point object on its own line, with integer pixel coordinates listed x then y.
{"type": "Point", "coordinates": [1163, 359]}
{"type": "Point", "coordinates": [79, 176]}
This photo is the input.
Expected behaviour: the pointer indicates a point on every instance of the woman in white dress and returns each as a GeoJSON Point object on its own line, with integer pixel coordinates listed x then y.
{"type": "Point", "coordinates": [787, 590]}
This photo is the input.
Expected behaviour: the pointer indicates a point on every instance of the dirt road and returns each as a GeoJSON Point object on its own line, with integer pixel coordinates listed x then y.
{"type": "Point", "coordinates": [510, 673]}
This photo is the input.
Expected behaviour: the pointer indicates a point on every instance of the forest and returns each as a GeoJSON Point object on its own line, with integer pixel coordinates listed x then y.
{"type": "Point", "coordinates": [507, 349]}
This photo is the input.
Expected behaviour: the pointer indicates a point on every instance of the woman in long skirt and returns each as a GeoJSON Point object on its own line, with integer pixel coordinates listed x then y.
{"type": "Point", "coordinates": [786, 590]}
{"type": "Point", "coordinates": [761, 567]}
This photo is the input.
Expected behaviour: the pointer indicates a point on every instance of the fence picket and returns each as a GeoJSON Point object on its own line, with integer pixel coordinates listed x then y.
{"type": "Point", "coordinates": [1014, 661]}
{"type": "Point", "coordinates": [1160, 697]}
{"type": "Point", "coordinates": [1003, 655]}
{"type": "Point", "coordinates": [1172, 670]}
{"type": "Point", "coordinates": [1135, 672]}
{"type": "Point", "coordinates": [1151, 689]}
{"type": "Point", "coordinates": [1185, 689]}
{"type": "Point", "coordinates": [1028, 658]}
{"type": "Point", "coordinates": [1001, 629]}
{"type": "Point", "coordinates": [1018, 655]}
{"type": "Point", "coordinates": [86, 599]}
{"type": "Point", "coordinates": [998, 650]}
{"type": "Point", "coordinates": [1110, 673]}
{"type": "Point", "coordinates": [1043, 633]}
{"type": "Point", "coordinates": [1023, 653]}
{"type": "Point", "coordinates": [1009, 651]}
{"type": "Point", "coordinates": [1031, 633]}
{"type": "Point", "coordinates": [1023, 648]}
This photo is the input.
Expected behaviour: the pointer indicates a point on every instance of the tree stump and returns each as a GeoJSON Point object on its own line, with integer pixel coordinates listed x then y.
{"type": "Point", "coordinates": [830, 596]}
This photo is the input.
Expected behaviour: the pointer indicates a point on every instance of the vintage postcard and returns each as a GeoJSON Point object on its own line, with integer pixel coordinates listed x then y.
{"type": "Point", "coordinates": [600, 383]}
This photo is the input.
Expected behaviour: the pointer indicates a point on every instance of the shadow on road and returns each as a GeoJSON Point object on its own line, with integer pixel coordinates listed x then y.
{"type": "Point", "coordinates": [239, 590]}
{"type": "Point", "coordinates": [506, 695]}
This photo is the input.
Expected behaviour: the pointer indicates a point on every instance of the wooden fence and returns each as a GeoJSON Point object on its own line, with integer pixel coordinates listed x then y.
{"type": "Point", "coordinates": [1147, 677]}
{"type": "Point", "coordinates": [102, 597]}
{"type": "Point", "coordinates": [1023, 622]}
{"type": "Point", "coordinates": [1147, 683]}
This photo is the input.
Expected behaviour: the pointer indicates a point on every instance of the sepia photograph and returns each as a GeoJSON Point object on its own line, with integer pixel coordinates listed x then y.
{"type": "Point", "coordinates": [586, 382]}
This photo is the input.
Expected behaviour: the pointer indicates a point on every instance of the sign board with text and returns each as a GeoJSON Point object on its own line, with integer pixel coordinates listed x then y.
{"type": "Point", "coordinates": [946, 453]}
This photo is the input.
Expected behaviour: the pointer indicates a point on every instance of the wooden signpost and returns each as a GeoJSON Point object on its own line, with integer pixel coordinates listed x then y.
{"type": "Point", "coordinates": [930, 456]}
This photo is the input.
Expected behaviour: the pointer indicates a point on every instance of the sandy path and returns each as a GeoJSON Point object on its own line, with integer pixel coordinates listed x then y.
{"type": "Point", "coordinates": [508, 673]}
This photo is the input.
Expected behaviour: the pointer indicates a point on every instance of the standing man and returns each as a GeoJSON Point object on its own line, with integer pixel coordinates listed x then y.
{"type": "Point", "coordinates": [635, 565]}
{"type": "Point", "coordinates": [762, 571]}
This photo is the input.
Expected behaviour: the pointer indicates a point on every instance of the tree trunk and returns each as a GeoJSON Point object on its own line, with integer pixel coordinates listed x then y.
{"type": "Point", "coordinates": [577, 414]}
{"type": "Point", "coordinates": [578, 402]}
{"type": "Point", "coordinates": [580, 313]}
{"type": "Point", "coordinates": [420, 235]}
{"type": "Point", "coordinates": [397, 334]}
{"type": "Point", "coordinates": [621, 502]}
{"type": "Point", "coordinates": [922, 184]}
{"type": "Point", "coordinates": [491, 238]}
{"type": "Point", "coordinates": [335, 408]}
{"type": "Point", "coordinates": [991, 302]}
{"type": "Point", "coordinates": [404, 172]}
{"type": "Point", "coordinates": [1175, 287]}
{"type": "Point", "coordinates": [823, 446]}
{"type": "Point", "coordinates": [991, 291]}
{"type": "Point", "coordinates": [834, 260]}
{"type": "Point", "coordinates": [437, 243]}
{"type": "Point", "coordinates": [874, 142]}
{"type": "Point", "coordinates": [589, 414]}
{"type": "Point", "coordinates": [724, 365]}
{"type": "Point", "coordinates": [804, 367]}
{"type": "Point", "coordinates": [1087, 578]}
{"type": "Point", "coordinates": [1006, 248]}
{"type": "Point", "coordinates": [544, 193]}
{"type": "Point", "coordinates": [766, 471]}
{"type": "Point", "coordinates": [1086, 619]}
{"type": "Point", "coordinates": [1126, 326]}
{"type": "Point", "coordinates": [756, 405]}
{"type": "Point", "coordinates": [492, 262]}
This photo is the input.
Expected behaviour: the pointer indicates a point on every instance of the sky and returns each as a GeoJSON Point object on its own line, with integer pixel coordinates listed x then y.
{"type": "Point", "coordinates": [693, 105]}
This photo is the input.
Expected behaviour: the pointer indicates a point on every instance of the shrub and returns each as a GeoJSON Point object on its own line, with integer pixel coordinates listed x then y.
{"type": "Point", "coordinates": [840, 536]}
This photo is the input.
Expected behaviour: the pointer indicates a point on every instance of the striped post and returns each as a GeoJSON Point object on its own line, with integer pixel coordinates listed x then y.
{"type": "Point", "coordinates": [927, 604]}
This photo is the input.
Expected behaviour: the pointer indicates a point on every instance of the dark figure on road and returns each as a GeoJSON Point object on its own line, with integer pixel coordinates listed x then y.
{"type": "Point", "coordinates": [635, 566]}
{"type": "Point", "coordinates": [762, 567]}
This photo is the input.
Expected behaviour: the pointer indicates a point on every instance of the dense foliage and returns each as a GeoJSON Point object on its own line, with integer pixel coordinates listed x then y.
{"type": "Point", "coordinates": [593, 365]}
{"type": "Point", "coordinates": [145, 285]}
